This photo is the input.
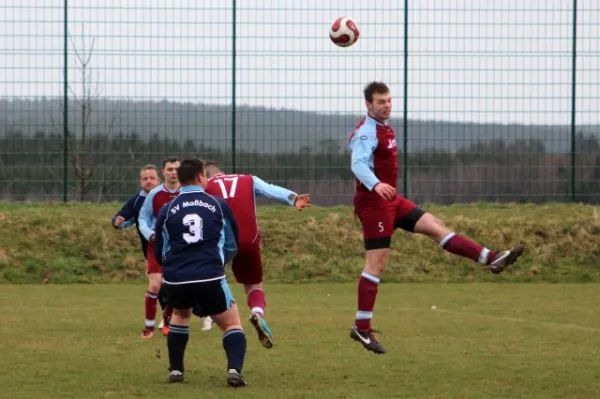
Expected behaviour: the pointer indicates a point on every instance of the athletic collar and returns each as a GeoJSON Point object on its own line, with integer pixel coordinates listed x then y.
{"type": "Point", "coordinates": [369, 117]}
{"type": "Point", "coordinates": [187, 189]}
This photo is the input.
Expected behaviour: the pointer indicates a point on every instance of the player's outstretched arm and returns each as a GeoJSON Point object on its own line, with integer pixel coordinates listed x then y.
{"type": "Point", "coordinates": [124, 218]}
{"type": "Point", "coordinates": [145, 220]}
{"type": "Point", "coordinates": [280, 194]}
{"type": "Point", "coordinates": [302, 201]}
{"type": "Point", "coordinates": [159, 240]}
{"type": "Point", "coordinates": [231, 233]}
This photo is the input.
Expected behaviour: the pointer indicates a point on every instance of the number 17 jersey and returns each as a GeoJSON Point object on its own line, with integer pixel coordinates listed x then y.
{"type": "Point", "coordinates": [238, 191]}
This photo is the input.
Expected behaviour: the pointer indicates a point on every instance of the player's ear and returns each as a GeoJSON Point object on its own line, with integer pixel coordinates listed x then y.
{"type": "Point", "coordinates": [202, 179]}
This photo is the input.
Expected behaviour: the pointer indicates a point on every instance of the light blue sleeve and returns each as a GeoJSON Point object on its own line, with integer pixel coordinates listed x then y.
{"type": "Point", "coordinates": [362, 146]}
{"type": "Point", "coordinates": [274, 192]}
{"type": "Point", "coordinates": [161, 238]}
{"type": "Point", "coordinates": [146, 218]}
{"type": "Point", "coordinates": [230, 248]}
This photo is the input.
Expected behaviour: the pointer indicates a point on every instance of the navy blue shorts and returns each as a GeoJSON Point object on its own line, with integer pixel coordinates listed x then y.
{"type": "Point", "coordinates": [206, 298]}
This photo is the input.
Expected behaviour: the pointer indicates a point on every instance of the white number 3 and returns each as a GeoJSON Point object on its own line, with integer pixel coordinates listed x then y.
{"type": "Point", "coordinates": [195, 223]}
{"type": "Point", "coordinates": [381, 227]}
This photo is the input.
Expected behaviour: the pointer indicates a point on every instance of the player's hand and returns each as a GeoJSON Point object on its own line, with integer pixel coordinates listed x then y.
{"type": "Point", "coordinates": [385, 191]}
{"type": "Point", "coordinates": [152, 238]}
{"type": "Point", "coordinates": [119, 221]}
{"type": "Point", "coordinates": [302, 201]}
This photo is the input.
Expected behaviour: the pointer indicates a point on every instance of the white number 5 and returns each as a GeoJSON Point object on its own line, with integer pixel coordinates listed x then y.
{"type": "Point", "coordinates": [381, 227]}
{"type": "Point", "coordinates": [195, 223]}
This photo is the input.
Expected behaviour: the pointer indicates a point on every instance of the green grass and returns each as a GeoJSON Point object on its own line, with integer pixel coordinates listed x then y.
{"type": "Point", "coordinates": [483, 341]}
{"type": "Point", "coordinates": [75, 243]}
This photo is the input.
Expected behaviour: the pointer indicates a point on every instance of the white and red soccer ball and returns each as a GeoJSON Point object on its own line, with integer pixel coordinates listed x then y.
{"type": "Point", "coordinates": [344, 32]}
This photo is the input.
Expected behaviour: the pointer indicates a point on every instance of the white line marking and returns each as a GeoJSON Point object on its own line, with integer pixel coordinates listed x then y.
{"type": "Point", "coordinates": [505, 318]}
{"type": "Point", "coordinates": [456, 312]}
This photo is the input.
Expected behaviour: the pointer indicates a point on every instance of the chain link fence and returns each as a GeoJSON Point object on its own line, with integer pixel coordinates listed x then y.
{"type": "Point", "coordinates": [492, 101]}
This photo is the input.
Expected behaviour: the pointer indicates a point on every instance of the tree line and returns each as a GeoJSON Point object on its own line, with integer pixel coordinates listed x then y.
{"type": "Point", "coordinates": [105, 167]}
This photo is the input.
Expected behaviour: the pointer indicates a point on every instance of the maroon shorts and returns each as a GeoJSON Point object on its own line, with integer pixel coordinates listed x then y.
{"type": "Point", "coordinates": [247, 264]}
{"type": "Point", "coordinates": [152, 266]}
{"type": "Point", "coordinates": [379, 217]}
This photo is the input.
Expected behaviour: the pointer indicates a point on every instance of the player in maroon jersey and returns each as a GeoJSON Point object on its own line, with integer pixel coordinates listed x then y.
{"type": "Point", "coordinates": [155, 200]}
{"type": "Point", "coordinates": [240, 192]}
{"type": "Point", "coordinates": [381, 210]}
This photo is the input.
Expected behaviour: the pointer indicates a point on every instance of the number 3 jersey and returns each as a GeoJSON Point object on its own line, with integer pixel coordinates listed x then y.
{"type": "Point", "coordinates": [196, 235]}
{"type": "Point", "coordinates": [240, 192]}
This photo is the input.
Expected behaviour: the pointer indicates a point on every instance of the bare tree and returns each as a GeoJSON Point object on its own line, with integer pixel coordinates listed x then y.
{"type": "Point", "coordinates": [85, 101]}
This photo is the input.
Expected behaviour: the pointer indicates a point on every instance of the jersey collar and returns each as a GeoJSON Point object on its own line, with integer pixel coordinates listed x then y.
{"type": "Point", "coordinates": [187, 189]}
{"type": "Point", "coordinates": [375, 120]}
{"type": "Point", "coordinates": [170, 191]}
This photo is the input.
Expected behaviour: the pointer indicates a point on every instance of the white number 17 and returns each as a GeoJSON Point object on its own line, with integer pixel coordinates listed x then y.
{"type": "Point", "coordinates": [231, 193]}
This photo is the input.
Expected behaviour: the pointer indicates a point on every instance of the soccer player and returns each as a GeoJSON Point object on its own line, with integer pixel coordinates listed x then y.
{"type": "Point", "coordinates": [381, 210]}
{"type": "Point", "coordinates": [155, 200]}
{"type": "Point", "coordinates": [240, 192]}
{"type": "Point", "coordinates": [129, 213]}
{"type": "Point", "coordinates": [196, 235]}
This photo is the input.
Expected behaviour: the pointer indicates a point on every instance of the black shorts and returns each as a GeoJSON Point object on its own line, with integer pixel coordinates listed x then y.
{"type": "Point", "coordinates": [207, 298]}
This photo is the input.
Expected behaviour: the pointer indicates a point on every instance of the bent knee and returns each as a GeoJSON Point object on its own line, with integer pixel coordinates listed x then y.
{"type": "Point", "coordinates": [431, 226]}
{"type": "Point", "coordinates": [154, 286]}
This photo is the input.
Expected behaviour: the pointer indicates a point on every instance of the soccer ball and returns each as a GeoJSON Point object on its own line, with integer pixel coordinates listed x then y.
{"type": "Point", "coordinates": [344, 32]}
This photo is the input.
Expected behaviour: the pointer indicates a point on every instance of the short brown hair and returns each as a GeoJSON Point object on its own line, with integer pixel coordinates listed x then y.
{"type": "Point", "coordinates": [169, 160]}
{"type": "Point", "coordinates": [212, 169]}
{"type": "Point", "coordinates": [375, 87]}
{"type": "Point", "coordinates": [189, 169]}
{"type": "Point", "coordinates": [149, 167]}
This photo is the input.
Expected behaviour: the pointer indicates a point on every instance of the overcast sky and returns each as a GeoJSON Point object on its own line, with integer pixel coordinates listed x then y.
{"type": "Point", "coordinates": [469, 60]}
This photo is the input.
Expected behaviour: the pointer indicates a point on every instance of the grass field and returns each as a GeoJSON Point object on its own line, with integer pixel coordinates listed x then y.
{"type": "Point", "coordinates": [482, 341]}
{"type": "Point", "coordinates": [75, 243]}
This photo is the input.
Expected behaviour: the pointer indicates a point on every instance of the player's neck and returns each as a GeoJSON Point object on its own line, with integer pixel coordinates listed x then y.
{"type": "Point", "coordinates": [382, 121]}
{"type": "Point", "coordinates": [171, 186]}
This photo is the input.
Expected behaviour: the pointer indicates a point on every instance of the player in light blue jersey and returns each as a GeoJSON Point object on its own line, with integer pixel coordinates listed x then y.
{"type": "Point", "coordinates": [155, 200]}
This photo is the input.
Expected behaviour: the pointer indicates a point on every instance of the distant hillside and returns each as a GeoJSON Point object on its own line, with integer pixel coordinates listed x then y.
{"type": "Point", "coordinates": [264, 130]}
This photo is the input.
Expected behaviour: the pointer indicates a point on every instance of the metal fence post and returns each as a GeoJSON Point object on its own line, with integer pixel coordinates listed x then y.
{"type": "Point", "coordinates": [233, 83]}
{"type": "Point", "coordinates": [573, 99]}
{"type": "Point", "coordinates": [405, 113]}
{"type": "Point", "coordinates": [65, 105]}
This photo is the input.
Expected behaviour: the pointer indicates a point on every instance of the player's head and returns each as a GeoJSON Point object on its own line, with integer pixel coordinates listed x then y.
{"type": "Point", "coordinates": [169, 170]}
{"type": "Point", "coordinates": [378, 100]}
{"type": "Point", "coordinates": [192, 172]}
{"type": "Point", "coordinates": [212, 169]}
{"type": "Point", "coordinates": [149, 178]}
